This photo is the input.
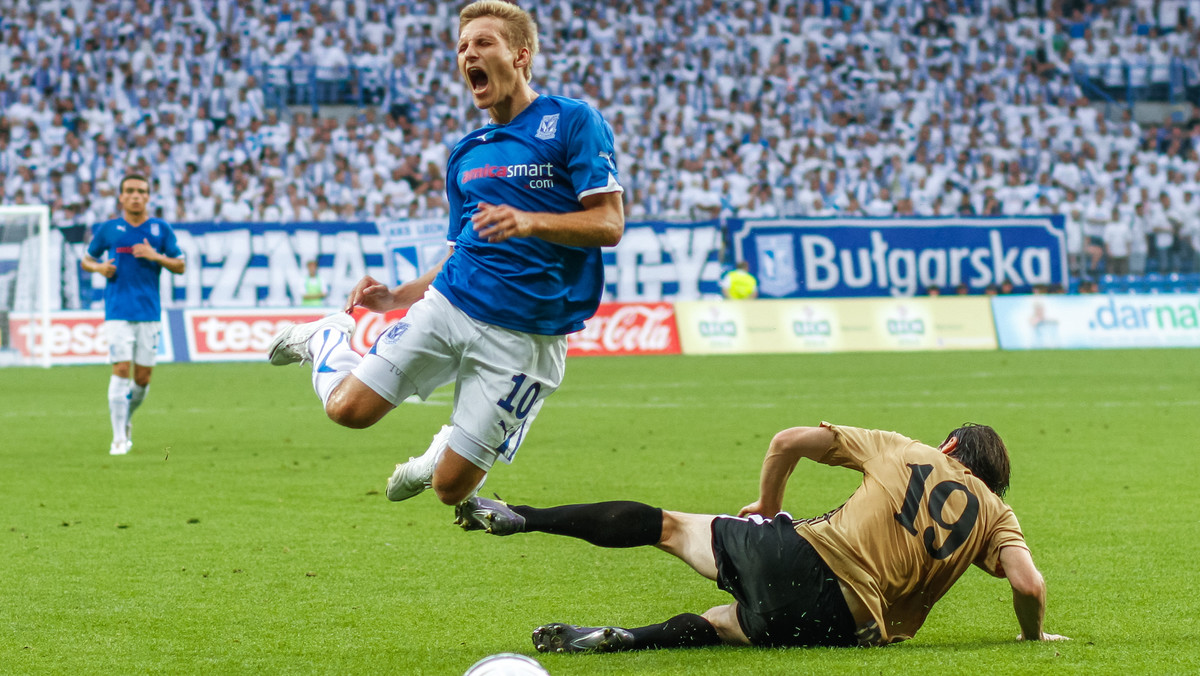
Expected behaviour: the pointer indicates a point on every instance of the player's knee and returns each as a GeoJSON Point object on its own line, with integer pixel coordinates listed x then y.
{"type": "Point", "coordinates": [724, 620]}
{"type": "Point", "coordinates": [452, 493]}
{"type": "Point", "coordinates": [452, 484]}
{"type": "Point", "coordinates": [352, 404]}
{"type": "Point", "coordinates": [347, 414]}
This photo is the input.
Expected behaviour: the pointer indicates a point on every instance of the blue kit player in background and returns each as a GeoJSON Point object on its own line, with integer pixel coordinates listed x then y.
{"type": "Point", "coordinates": [139, 247]}
{"type": "Point", "coordinates": [533, 196]}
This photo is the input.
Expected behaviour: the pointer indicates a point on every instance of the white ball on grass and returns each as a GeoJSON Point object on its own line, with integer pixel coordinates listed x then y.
{"type": "Point", "coordinates": [507, 664]}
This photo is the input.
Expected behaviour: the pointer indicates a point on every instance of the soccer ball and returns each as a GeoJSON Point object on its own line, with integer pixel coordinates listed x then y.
{"type": "Point", "coordinates": [507, 664]}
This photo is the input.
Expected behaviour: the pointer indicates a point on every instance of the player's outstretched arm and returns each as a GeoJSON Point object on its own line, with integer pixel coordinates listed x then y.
{"type": "Point", "coordinates": [785, 451]}
{"type": "Point", "coordinates": [601, 223]}
{"type": "Point", "coordinates": [1029, 594]}
{"type": "Point", "coordinates": [374, 295]}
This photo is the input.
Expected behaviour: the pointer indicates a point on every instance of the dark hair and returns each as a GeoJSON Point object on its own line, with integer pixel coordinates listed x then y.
{"type": "Point", "coordinates": [983, 452]}
{"type": "Point", "coordinates": [131, 177]}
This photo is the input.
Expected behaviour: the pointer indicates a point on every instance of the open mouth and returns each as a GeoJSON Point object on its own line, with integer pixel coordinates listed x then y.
{"type": "Point", "coordinates": [478, 79]}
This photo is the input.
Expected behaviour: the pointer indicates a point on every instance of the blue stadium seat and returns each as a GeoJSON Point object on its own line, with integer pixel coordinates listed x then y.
{"type": "Point", "coordinates": [1112, 284]}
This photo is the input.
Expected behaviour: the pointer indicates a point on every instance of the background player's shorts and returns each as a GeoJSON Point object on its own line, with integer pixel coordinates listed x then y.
{"type": "Point", "coordinates": [132, 341]}
{"type": "Point", "coordinates": [501, 376]}
{"type": "Point", "coordinates": [786, 594]}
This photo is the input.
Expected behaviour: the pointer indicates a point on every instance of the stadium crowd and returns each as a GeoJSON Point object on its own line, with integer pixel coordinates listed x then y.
{"type": "Point", "coordinates": [753, 108]}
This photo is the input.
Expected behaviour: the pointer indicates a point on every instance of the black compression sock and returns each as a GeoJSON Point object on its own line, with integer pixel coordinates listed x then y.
{"type": "Point", "coordinates": [682, 631]}
{"type": "Point", "coordinates": [605, 524]}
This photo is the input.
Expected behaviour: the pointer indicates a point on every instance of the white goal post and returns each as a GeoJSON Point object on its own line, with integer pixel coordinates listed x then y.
{"type": "Point", "coordinates": [26, 271]}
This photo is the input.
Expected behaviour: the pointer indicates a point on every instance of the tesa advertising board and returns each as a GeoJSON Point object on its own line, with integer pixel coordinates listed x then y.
{"type": "Point", "coordinates": [76, 337]}
{"type": "Point", "coordinates": [243, 335]}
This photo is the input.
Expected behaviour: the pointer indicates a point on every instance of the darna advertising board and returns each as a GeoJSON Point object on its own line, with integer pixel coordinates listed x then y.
{"type": "Point", "coordinates": [848, 257]}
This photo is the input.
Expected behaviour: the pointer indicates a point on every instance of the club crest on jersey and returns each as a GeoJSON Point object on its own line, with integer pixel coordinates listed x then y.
{"type": "Point", "coordinates": [548, 129]}
{"type": "Point", "coordinates": [394, 333]}
{"type": "Point", "coordinates": [154, 229]}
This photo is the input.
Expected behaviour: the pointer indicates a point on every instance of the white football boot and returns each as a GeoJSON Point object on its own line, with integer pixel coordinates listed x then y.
{"type": "Point", "coordinates": [291, 344]}
{"type": "Point", "coordinates": [413, 477]}
{"type": "Point", "coordinates": [119, 447]}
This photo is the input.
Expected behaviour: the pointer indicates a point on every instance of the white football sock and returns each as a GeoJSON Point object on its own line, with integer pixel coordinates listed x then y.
{"type": "Point", "coordinates": [333, 360]}
{"type": "Point", "coordinates": [429, 460]}
{"type": "Point", "coordinates": [118, 405]}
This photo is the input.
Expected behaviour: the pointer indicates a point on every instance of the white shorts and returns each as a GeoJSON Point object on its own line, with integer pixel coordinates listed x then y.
{"type": "Point", "coordinates": [132, 341]}
{"type": "Point", "coordinates": [501, 376]}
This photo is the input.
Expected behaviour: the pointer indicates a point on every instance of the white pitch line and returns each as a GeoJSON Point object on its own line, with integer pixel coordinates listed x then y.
{"type": "Point", "coordinates": [790, 403]}
{"type": "Point", "coordinates": [193, 410]}
{"type": "Point", "coordinates": [786, 402]}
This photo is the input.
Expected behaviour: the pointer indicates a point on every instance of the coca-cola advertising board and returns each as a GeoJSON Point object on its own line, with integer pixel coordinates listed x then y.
{"type": "Point", "coordinates": [627, 329]}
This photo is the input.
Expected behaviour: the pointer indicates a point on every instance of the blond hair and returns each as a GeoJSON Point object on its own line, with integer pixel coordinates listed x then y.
{"type": "Point", "coordinates": [520, 30]}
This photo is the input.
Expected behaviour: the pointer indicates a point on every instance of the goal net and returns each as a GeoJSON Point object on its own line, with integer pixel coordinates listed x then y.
{"type": "Point", "coordinates": [29, 274]}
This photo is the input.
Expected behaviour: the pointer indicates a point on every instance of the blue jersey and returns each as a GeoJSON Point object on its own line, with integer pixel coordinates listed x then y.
{"type": "Point", "coordinates": [554, 153]}
{"type": "Point", "coordinates": [132, 294]}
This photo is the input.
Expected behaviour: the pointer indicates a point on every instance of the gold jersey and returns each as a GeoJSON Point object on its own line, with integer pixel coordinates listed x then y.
{"type": "Point", "coordinates": [918, 520]}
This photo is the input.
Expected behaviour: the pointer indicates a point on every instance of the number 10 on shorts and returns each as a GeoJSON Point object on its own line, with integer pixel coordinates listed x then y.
{"type": "Point", "coordinates": [525, 397]}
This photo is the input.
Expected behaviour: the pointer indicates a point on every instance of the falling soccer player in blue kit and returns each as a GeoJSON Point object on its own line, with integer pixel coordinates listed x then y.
{"type": "Point", "coordinates": [533, 196]}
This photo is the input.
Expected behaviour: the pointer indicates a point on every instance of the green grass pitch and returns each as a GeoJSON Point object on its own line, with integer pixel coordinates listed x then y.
{"type": "Point", "coordinates": [248, 534]}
